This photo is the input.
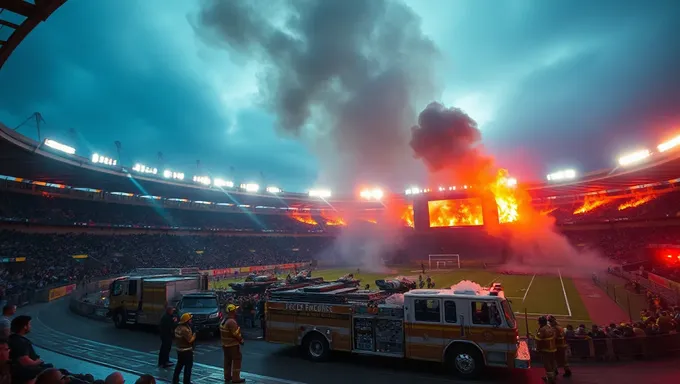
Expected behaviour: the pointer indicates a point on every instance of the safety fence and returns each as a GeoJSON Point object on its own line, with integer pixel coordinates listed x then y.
{"type": "Point", "coordinates": [80, 303]}
{"type": "Point", "coordinates": [608, 349]}
{"type": "Point", "coordinates": [622, 292]}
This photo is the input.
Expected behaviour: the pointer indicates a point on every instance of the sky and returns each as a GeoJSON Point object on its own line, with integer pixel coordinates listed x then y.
{"type": "Point", "coordinates": [303, 94]}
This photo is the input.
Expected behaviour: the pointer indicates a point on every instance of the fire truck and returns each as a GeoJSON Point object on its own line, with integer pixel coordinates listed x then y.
{"type": "Point", "coordinates": [465, 329]}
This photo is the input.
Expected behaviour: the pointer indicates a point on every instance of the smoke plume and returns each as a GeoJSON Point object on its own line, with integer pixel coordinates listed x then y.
{"type": "Point", "coordinates": [342, 76]}
{"type": "Point", "coordinates": [449, 143]}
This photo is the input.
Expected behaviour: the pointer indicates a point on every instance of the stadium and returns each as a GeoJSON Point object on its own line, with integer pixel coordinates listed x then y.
{"type": "Point", "coordinates": [592, 249]}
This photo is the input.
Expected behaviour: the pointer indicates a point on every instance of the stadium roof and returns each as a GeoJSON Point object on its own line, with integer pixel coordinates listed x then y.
{"type": "Point", "coordinates": [18, 18]}
{"type": "Point", "coordinates": [23, 157]}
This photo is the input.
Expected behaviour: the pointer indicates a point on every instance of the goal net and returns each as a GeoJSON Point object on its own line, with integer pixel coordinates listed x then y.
{"type": "Point", "coordinates": [443, 261]}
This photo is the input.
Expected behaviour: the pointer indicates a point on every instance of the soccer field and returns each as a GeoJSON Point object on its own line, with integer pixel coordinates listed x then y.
{"type": "Point", "coordinates": [534, 294]}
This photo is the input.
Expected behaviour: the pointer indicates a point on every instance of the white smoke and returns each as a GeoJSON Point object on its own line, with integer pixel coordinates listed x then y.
{"type": "Point", "coordinates": [466, 285]}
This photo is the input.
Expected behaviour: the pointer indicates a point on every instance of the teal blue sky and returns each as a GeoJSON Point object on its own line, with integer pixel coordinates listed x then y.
{"type": "Point", "coordinates": [304, 93]}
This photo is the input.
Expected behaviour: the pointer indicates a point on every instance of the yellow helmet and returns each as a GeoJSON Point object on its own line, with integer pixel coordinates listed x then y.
{"type": "Point", "coordinates": [231, 307]}
{"type": "Point", "coordinates": [185, 318]}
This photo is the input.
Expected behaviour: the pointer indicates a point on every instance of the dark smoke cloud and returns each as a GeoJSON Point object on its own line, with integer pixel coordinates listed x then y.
{"type": "Point", "coordinates": [345, 76]}
{"type": "Point", "coordinates": [449, 143]}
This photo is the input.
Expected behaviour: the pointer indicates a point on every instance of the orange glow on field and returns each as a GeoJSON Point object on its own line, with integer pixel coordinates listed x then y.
{"type": "Point", "coordinates": [636, 202]}
{"type": "Point", "coordinates": [303, 218]}
{"type": "Point", "coordinates": [590, 203]}
{"type": "Point", "coordinates": [455, 213]}
{"type": "Point", "coordinates": [505, 194]}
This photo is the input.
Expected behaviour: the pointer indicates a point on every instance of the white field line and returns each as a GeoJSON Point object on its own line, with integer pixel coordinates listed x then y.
{"type": "Point", "coordinates": [531, 314]}
{"type": "Point", "coordinates": [493, 281]}
{"type": "Point", "coordinates": [564, 291]}
{"type": "Point", "coordinates": [526, 292]}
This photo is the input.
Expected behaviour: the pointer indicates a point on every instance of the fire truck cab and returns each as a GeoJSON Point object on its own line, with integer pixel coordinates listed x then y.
{"type": "Point", "coordinates": [465, 329]}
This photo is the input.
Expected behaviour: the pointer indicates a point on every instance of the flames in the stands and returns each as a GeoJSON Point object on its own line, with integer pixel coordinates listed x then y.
{"type": "Point", "coordinates": [636, 202]}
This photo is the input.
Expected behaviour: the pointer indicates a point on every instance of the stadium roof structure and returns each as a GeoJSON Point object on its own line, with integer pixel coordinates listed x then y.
{"type": "Point", "coordinates": [20, 17]}
{"type": "Point", "coordinates": [658, 171]}
{"type": "Point", "coordinates": [24, 158]}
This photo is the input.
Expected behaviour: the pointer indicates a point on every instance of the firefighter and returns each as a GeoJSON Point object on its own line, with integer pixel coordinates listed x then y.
{"type": "Point", "coordinates": [561, 359]}
{"type": "Point", "coordinates": [230, 334]}
{"type": "Point", "coordinates": [167, 332]}
{"type": "Point", "coordinates": [184, 342]}
{"type": "Point", "coordinates": [545, 346]}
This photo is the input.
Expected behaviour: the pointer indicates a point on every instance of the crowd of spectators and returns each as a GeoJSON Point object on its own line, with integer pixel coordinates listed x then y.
{"type": "Point", "coordinates": [21, 364]}
{"type": "Point", "coordinates": [53, 209]}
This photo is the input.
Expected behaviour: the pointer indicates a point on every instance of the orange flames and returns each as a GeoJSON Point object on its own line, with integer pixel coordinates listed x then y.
{"type": "Point", "coordinates": [505, 194]}
{"type": "Point", "coordinates": [303, 217]}
{"type": "Point", "coordinates": [636, 202]}
{"type": "Point", "coordinates": [332, 219]}
{"type": "Point", "coordinates": [455, 213]}
{"type": "Point", "coordinates": [590, 203]}
{"type": "Point", "coordinates": [548, 211]}
{"type": "Point", "coordinates": [407, 216]}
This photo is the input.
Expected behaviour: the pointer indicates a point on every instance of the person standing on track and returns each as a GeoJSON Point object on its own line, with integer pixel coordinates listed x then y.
{"type": "Point", "coordinates": [184, 342]}
{"type": "Point", "coordinates": [167, 332]}
{"type": "Point", "coordinates": [232, 340]}
{"type": "Point", "coordinates": [561, 358]}
{"type": "Point", "coordinates": [545, 345]}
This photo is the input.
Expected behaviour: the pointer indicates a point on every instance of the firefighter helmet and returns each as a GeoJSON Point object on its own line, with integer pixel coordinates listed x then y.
{"type": "Point", "coordinates": [231, 307]}
{"type": "Point", "coordinates": [551, 320]}
{"type": "Point", "coordinates": [542, 320]}
{"type": "Point", "coordinates": [185, 318]}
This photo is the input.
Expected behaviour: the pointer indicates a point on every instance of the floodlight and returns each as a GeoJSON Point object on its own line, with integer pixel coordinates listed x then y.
{"type": "Point", "coordinates": [565, 174]}
{"type": "Point", "coordinates": [250, 187]}
{"type": "Point", "coordinates": [670, 144]}
{"type": "Point", "coordinates": [322, 193]}
{"type": "Point", "coordinates": [634, 157]}
{"type": "Point", "coordinates": [223, 183]}
{"type": "Point", "coordinates": [205, 180]}
{"type": "Point", "coordinates": [60, 147]}
{"type": "Point", "coordinates": [273, 190]}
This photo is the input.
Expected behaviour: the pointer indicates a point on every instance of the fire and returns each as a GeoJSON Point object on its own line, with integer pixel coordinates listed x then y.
{"type": "Point", "coordinates": [548, 211]}
{"type": "Point", "coordinates": [590, 203]}
{"type": "Point", "coordinates": [303, 218]}
{"type": "Point", "coordinates": [407, 216]}
{"type": "Point", "coordinates": [332, 219]}
{"type": "Point", "coordinates": [636, 202]}
{"type": "Point", "coordinates": [505, 194]}
{"type": "Point", "coordinates": [455, 213]}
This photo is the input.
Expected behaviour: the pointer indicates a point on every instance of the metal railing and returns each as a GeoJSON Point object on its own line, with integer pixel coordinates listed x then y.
{"type": "Point", "coordinates": [608, 349]}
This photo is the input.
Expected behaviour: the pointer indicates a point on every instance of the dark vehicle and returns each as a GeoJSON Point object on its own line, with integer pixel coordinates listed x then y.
{"type": "Point", "coordinates": [398, 284]}
{"type": "Point", "coordinates": [205, 309]}
{"type": "Point", "coordinates": [254, 284]}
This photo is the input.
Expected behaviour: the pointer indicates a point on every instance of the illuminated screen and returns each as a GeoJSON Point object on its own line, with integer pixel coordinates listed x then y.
{"type": "Point", "coordinates": [455, 213]}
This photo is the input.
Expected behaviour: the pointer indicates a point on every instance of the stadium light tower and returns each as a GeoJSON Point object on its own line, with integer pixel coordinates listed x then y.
{"type": "Point", "coordinates": [321, 193]}
{"type": "Point", "coordinates": [372, 194]}
{"type": "Point", "coordinates": [220, 183]}
{"type": "Point", "coordinates": [565, 174]}
{"type": "Point", "coordinates": [670, 144]}
{"type": "Point", "coordinates": [60, 147]}
{"type": "Point", "coordinates": [634, 157]}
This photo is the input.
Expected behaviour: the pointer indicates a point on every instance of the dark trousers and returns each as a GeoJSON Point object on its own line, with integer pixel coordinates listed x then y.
{"type": "Point", "coordinates": [164, 352]}
{"type": "Point", "coordinates": [185, 360]}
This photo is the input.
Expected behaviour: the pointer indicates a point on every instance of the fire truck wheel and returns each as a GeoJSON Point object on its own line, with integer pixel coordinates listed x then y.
{"type": "Point", "coordinates": [465, 361]}
{"type": "Point", "coordinates": [316, 347]}
{"type": "Point", "coordinates": [119, 320]}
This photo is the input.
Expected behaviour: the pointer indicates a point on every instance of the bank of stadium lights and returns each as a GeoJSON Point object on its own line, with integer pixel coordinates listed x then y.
{"type": "Point", "coordinates": [670, 144]}
{"type": "Point", "coordinates": [273, 190]}
{"type": "Point", "coordinates": [205, 180]}
{"type": "Point", "coordinates": [99, 159]}
{"type": "Point", "coordinates": [562, 175]}
{"type": "Point", "coordinates": [250, 187]}
{"type": "Point", "coordinates": [141, 168]}
{"type": "Point", "coordinates": [168, 174]}
{"type": "Point", "coordinates": [413, 191]}
{"type": "Point", "coordinates": [634, 157]}
{"type": "Point", "coordinates": [372, 194]}
{"type": "Point", "coordinates": [60, 147]}
{"type": "Point", "coordinates": [322, 193]}
{"type": "Point", "coordinates": [221, 183]}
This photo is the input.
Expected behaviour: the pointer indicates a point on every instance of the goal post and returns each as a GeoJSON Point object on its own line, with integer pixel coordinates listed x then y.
{"type": "Point", "coordinates": [443, 261]}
